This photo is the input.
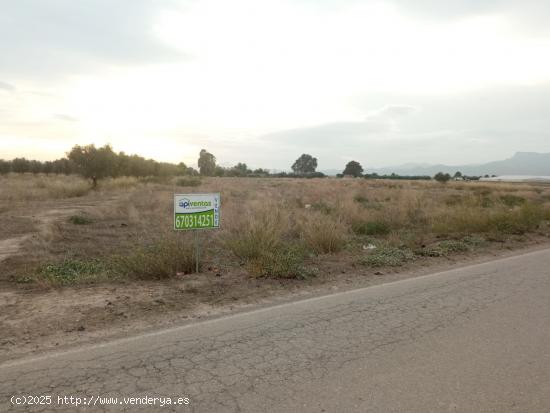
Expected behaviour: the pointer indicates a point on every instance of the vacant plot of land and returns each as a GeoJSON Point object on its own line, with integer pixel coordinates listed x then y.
{"type": "Point", "coordinates": [74, 259]}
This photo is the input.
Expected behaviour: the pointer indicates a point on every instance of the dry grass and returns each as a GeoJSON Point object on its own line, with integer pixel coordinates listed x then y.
{"type": "Point", "coordinates": [273, 227]}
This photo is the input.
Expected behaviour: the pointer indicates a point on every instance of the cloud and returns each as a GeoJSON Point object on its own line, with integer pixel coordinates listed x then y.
{"type": "Point", "coordinates": [7, 86]}
{"type": "Point", "coordinates": [65, 118]}
{"type": "Point", "coordinates": [525, 8]}
{"type": "Point", "coordinates": [392, 111]}
{"type": "Point", "coordinates": [377, 124]}
{"type": "Point", "coordinates": [65, 36]}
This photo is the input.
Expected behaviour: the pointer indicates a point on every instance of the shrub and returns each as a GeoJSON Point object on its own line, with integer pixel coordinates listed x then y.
{"type": "Point", "coordinates": [188, 181]}
{"type": "Point", "coordinates": [371, 228]}
{"type": "Point", "coordinates": [444, 248]}
{"type": "Point", "coordinates": [322, 207]}
{"type": "Point", "coordinates": [324, 235]}
{"type": "Point", "coordinates": [285, 261]}
{"type": "Point", "coordinates": [361, 199]}
{"type": "Point", "coordinates": [512, 200]}
{"type": "Point", "coordinates": [257, 236]}
{"type": "Point", "coordinates": [80, 220]}
{"type": "Point", "coordinates": [387, 257]}
{"type": "Point", "coordinates": [527, 218]}
{"type": "Point", "coordinates": [163, 259]}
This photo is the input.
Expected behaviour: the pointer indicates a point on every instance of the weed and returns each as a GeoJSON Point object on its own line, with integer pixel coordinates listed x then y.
{"type": "Point", "coordinates": [388, 257]}
{"type": "Point", "coordinates": [361, 199]}
{"type": "Point", "coordinates": [323, 235]}
{"type": "Point", "coordinates": [322, 207]}
{"type": "Point", "coordinates": [188, 181]}
{"type": "Point", "coordinates": [70, 271]}
{"type": "Point", "coordinates": [444, 248]}
{"type": "Point", "coordinates": [371, 228]}
{"type": "Point", "coordinates": [162, 259]}
{"type": "Point", "coordinates": [80, 220]}
{"type": "Point", "coordinates": [512, 200]}
{"type": "Point", "coordinates": [256, 236]}
{"type": "Point", "coordinates": [285, 261]}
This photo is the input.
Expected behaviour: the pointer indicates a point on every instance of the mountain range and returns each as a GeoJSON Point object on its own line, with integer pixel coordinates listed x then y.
{"type": "Point", "coordinates": [522, 163]}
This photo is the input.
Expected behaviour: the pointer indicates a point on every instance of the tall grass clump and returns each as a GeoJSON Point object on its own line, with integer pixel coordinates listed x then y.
{"type": "Point", "coordinates": [161, 259]}
{"type": "Point", "coordinates": [371, 228]}
{"type": "Point", "coordinates": [285, 261]}
{"type": "Point", "coordinates": [324, 235]}
{"type": "Point", "coordinates": [256, 235]}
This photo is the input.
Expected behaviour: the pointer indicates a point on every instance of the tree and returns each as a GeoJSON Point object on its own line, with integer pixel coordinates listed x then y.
{"type": "Point", "coordinates": [94, 163]}
{"type": "Point", "coordinates": [47, 167]}
{"type": "Point", "coordinates": [5, 167]}
{"type": "Point", "coordinates": [305, 164]}
{"type": "Point", "coordinates": [35, 167]}
{"type": "Point", "coordinates": [353, 168]}
{"type": "Point", "coordinates": [458, 175]}
{"type": "Point", "coordinates": [20, 165]}
{"type": "Point", "coordinates": [441, 177]}
{"type": "Point", "coordinates": [207, 163]}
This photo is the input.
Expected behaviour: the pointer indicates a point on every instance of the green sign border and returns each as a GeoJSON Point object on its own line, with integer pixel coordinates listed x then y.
{"type": "Point", "coordinates": [176, 214]}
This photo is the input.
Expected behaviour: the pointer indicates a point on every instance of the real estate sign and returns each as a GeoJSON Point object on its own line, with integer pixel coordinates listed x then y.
{"type": "Point", "coordinates": [196, 211]}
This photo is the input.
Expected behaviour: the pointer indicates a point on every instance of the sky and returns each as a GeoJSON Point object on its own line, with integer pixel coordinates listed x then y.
{"type": "Point", "coordinates": [262, 81]}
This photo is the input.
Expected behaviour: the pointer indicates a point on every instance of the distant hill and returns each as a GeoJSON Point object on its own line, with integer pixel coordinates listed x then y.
{"type": "Point", "coordinates": [522, 163]}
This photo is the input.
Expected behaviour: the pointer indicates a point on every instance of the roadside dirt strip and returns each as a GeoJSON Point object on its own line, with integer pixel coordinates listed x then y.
{"type": "Point", "coordinates": [474, 339]}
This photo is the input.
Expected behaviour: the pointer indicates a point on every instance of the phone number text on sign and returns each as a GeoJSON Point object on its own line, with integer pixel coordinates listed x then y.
{"type": "Point", "coordinates": [196, 211]}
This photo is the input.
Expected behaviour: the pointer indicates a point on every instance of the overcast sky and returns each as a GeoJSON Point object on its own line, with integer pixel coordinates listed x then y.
{"type": "Point", "coordinates": [260, 81]}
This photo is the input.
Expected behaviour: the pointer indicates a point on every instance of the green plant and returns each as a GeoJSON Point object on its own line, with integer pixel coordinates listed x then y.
{"type": "Point", "coordinates": [361, 199]}
{"type": "Point", "coordinates": [512, 200]}
{"type": "Point", "coordinates": [285, 261]}
{"type": "Point", "coordinates": [162, 259]}
{"type": "Point", "coordinates": [80, 220]}
{"type": "Point", "coordinates": [70, 271]}
{"type": "Point", "coordinates": [322, 207]}
{"type": "Point", "coordinates": [371, 228]}
{"type": "Point", "coordinates": [444, 248]}
{"type": "Point", "coordinates": [387, 257]}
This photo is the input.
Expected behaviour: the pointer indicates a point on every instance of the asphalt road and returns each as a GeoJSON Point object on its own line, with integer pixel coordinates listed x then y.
{"type": "Point", "coordinates": [475, 339]}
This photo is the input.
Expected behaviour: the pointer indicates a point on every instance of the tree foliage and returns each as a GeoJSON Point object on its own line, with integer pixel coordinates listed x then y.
{"type": "Point", "coordinates": [442, 177]}
{"type": "Point", "coordinates": [207, 163]}
{"type": "Point", "coordinates": [305, 164]}
{"type": "Point", "coordinates": [353, 168]}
